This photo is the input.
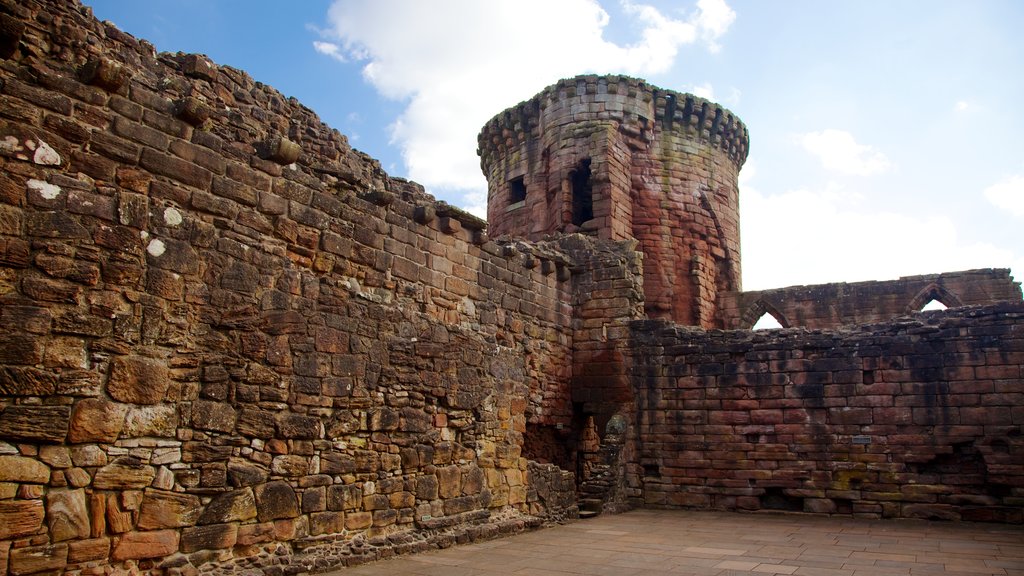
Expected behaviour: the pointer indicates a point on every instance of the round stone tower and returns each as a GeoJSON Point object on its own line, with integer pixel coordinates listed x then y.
{"type": "Point", "coordinates": [618, 158]}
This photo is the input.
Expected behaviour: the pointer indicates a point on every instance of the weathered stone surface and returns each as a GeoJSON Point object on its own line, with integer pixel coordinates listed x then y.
{"type": "Point", "coordinates": [23, 469]}
{"type": "Point", "coordinates": [291, 425]}
{"type": "Point", "coordinates": [27, 381]}
{"type": "Point", "coordinates": [326, 522]}
{"type": "Point", "coordinates": [217, 416]}
{"type": "Point", "coordinates": [275, 500]}
{"type": "Point", "coordinates": [124, 473]}
{"type": "Point", "coordinates": [163, 509]}
{"type": "Point", "coordinates": [209, 537]}
{"type": "Point", "coordinates": [246, 474]}
{"type": "Point", "coordinates": [250, 534]}
{"type": "Point", "coordinates": [159, 420]}
{"type": "Point", "coordinates": [20, 517]}
{"type": "Point", "coordinates": [138, 380]}
{"type": "Point", "coordinates": [55, 456]}
{"type": "Point", "coordinates": [120, 518]}
{"type": "Point", "coordinates": [96, 420]}
{"type": "Point", "coordinates": [88, 550]}
{"type": "Point", "coordinates": [35, 559]}
{"type": "Point", "coordinates": [66, 514]}
{"type": "Point", "coordinates": [88, 455]}
{"type": "Point", "coordinates": [235, 506]}
{"type": "Point", "coordinates": [35, 423]}
{"type": "Point", "coordinates": [137, 545]}
{"type": "Point", "coordinates": [289, 465]}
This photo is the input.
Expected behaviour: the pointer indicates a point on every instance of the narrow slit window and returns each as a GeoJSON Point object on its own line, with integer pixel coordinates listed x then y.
{"type": "Point", "coordinates": [582, 193]}
{"type": "Point", "coordinates": [516, 190]}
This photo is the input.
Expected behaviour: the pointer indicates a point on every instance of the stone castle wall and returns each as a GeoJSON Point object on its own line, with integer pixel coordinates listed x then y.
{"type": "Point", "coordinates": [919, 418]}
{"type": "Point", "coordinates": [842, 304]}
{"type": "Point", "coordinates": [652, 164]}
{"type": "Point", "coordinates": [231, 340]}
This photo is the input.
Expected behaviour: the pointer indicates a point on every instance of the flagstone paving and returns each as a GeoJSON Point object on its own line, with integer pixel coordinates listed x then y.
{"type": "Point", "coordinates": [681, 543]}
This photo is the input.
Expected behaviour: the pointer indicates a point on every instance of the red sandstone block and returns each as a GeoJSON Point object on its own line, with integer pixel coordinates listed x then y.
{"type": "Point", "coordinates": [936, 416]}
{"type": "Point", "coordinates": [766, 416]}
{"type": "Point", "coordinates": [850, 416]}
{"type": "Point", "coordinates": [870, 401]}
{"type": "Point", "coordinates": [740, 404]}
{"type": "Point", "coordinates": [729, 417]}
{"type": "Point", "coordinates": [997, 372]}
{"type": "Point", "coordinates": [892, 415]}
{"type": "Point", "coordinates": [954, 373]}
{"type": "Point", "coordinates": [879, 389]}
{"type": "Point", "coordinates": [986, 415]}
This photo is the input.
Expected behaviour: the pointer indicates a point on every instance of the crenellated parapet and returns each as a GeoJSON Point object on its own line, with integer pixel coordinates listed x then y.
{"type": "Point", "coordinates": [631, 101]}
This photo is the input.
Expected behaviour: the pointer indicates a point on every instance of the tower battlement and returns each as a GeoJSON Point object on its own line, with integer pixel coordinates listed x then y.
{"type": "Point", "coordinates": [619, 158]}
{"type": "Point", "coordinates": [632, 101]}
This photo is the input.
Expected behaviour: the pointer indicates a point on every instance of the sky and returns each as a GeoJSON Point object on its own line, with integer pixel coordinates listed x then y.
{"type": "Point", "coordinates": [886, 137]}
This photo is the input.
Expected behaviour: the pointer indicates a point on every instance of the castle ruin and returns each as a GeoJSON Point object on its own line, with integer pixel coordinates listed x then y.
{"type": "Point", "coordinates": [233, 344]}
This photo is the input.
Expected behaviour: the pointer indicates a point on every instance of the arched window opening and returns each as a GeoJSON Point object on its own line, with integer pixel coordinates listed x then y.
{"type": "Point", "coordinates": [933, 304]}
{"type": "Point", "coordinates": [766, 322]}
{"type": "Point", "coordinates": [582, 193]}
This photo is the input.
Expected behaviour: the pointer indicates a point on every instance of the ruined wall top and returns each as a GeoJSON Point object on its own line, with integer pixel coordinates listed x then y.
{"type": "Point", "coordinates": [630, 100]}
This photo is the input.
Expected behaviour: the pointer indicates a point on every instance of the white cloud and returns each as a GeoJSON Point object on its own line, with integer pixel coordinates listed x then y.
{"type": "Point", "coordinates": [1008, 194]}
{"type": "Point", "coordinates": [459, 62]}
{"type": "Point", "coordinates": [704, 90]}
{"type": "Point", "coordinates": [840, 152]}
{"type": "Point", "coordinates": [330, 49]}
{"type": "Point", "coordinates": [713, 19]}
{"type": "Point", "coordinates": [961, 105]}
{"type": "Point", "coordinates": [805, 236]}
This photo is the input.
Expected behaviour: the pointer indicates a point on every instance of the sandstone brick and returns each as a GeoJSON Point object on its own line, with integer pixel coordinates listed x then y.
{"type": "Point", "coordinates": [276, 500]}
{"type": "Point", "coordinates": [124, 473]}
{"type": "Point", "coordinates": [151, 544]}
{"type": "Point", "coordinates": [35, 559]}
{"type": "Point", "coordinates": [66, 514]}
{"type": "Point", "coordinates": [163, 509]}
{"type": "Point", "coordinates": [90, 550]}
{"type": "Point", "coordinates": [138, 380]}
{"type": "Point", "coordinates": [358, 520]}
{"type": "Point", "coordinates": [20, 517]}
{"type": "Point", "coordinates": [96, 420]}
{"type": "Point", "coordinates": [235, 506]}
{"type": "Point", "coordinates": [209, 537]}
{"type": "Point", "coordinates": [35, 423]}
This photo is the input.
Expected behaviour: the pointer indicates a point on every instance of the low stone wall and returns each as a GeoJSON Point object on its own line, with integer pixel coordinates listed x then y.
{"type": "Point", "coordinates": [917, 418]}
{"type": "Point", "coordinates": [824, 306]}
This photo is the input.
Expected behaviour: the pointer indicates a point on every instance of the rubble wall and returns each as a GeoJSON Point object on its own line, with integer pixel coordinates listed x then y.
{"type": "Point", "coordinates": [919, 417]}
{"type": "Point", "coordinates": [229, 340]}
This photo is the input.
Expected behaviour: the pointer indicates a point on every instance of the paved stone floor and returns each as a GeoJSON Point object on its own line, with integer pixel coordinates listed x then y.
{"type": "Point", "coordinates": [678, 543]}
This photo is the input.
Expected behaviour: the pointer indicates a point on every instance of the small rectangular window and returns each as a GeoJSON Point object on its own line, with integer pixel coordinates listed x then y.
{"type": "Point", "coordinates": [516, 190]}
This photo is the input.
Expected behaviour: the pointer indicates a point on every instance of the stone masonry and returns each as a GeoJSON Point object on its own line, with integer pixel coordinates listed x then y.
{"type": "Point", "coordinates": [622, 159]}
{"type": "Point", "coordinates": [230, 343]}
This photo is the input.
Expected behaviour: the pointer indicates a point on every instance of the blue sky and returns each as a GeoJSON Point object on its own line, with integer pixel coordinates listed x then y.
{"type": "Point", "coordinates": [886, 137]}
